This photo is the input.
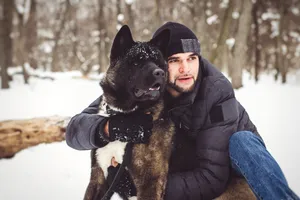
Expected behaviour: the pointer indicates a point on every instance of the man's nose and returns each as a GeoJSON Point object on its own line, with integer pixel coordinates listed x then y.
{"type": "Point", "coordinates": [184, 67]}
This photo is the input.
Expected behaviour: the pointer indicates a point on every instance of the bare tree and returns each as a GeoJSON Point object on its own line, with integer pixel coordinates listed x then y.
{"type": "Point", "coordinates": [130, 16]}
{"type": "Point", "coordinates": [31, 34]}
{"type": "Point", "coordinates": [5, 40]}
{"type": "Point", "coordinates": [224, 32]}
{"type": "Point", "coordinates": [21, 52]}
{"type": "Point", "coordinates": [103, 60]}
{"type": "Point", "coordinates": [73, 38]}
{"type": "Point", "coordinates": [4, 79]}
{"type": "Point", "coordinates": [8, 30]}
{"type": "Point", "coordinates": [158, 11]}
{"type": "Point", "coordinates": [62, 18]}
{"type": "Point", "coordinates": [239, 52]}
{"type": "Point", "coordinates": [256, 39]}
{"type": "Point", "coordinates": [283, 22]}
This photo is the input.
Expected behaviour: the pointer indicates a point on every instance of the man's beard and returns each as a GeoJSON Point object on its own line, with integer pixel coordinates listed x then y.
{"type": "Point", "coordinates": [180, 89]}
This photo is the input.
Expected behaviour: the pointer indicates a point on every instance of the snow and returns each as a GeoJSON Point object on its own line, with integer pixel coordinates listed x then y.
{"type": "Point", "coordinates": [208, 4]}
{"type": "Point", "coordinates": [212, 19]}
{"type": "Point", "coordinates": [146, 31]}
{"type": "Point", "coordinates": [119, 26]}
{"type": "Point", "coordinates": [23, 8]}
{"type": "Point", "coordinates": [297, 53]}
{"type": "Point", "coordinates": [270, 15]}
{"type": "Point", "coordinates": [284, 49]}
{"type": "Point", "coordinates": [295, 35]}
{"type": "Point", "coordinates": [208, 12]}
{"type": "Point", "coordinates": [120, 17]}
{"type": "Point", "coordinates": [295, 10]}
{"type": "Point", "coordinates": [46, 47]}
{"type": "Point", "coordinates": [230, 42]}
{"type": "Point", "coordinates": [274, 28]}
{"type": "Point", "coordinates": [235, 15]}
{"type": "Point", "coordinates": [224, 4]}
{"type": "Point", "coordinates": [56, 171]}
{"type": "Point", "coordinates": [129, 2]}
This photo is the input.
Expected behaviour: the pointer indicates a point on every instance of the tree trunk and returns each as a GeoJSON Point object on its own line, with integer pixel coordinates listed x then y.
{"type": "Point", "coordinates": [74, 61]}
{"type": "Point", "coordinates": [277, 57]}
{"type": "Point", "coordinates": [8, 12]}
{"type": "Point", "coordinates": [4, 78]}
{"type": "Point", "coordinates": [103, 59]}
{"type": "Point", "coordinates": [130, 19]}
{"type": "Point", "coordinates": [31, 34]}
{"type": "Point", "coordinates": [224, 33]}
{"type": "Point", "coordinates": [5, 40]}
{"type": "Point", "coordinates": [119, 11]}
{"type": "Point", "coordinates": [55, 54]}
{"type": "Point", "coordinates": [158, 16]}
{"type": "Point", "coordinates": [256, 40]}
{"type": "Point", "coordinates": [21, 53]}
{"type": "Point", "coordinates": [16, 135]}
{"type": "Point", "coordinates": [239, 52]}
{"type": "Point", "coordinates": [283, 24]}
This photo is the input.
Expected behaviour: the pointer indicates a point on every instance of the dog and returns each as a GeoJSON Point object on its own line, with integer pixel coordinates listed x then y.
{"type": "Point", "coordinates": [130, 85]}
{"type": "Point", "coordinates": [135, 81]}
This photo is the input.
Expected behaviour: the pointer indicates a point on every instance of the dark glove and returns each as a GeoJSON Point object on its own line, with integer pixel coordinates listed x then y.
{"type": "Point", "coordinates": [134, 127]}
{"type": "Point", "coordinates": [125, 187]}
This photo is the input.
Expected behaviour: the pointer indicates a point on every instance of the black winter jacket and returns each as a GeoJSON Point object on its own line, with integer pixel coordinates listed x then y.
{"type": "Point", "coordinates": [205, 119]}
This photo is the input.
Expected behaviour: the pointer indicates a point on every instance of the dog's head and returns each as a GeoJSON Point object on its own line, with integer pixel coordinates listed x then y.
{"type": "Point", "coordinates": [137, 74]}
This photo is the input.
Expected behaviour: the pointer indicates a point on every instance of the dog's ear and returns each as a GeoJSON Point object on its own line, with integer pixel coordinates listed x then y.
{"type": "Point", "coordinates": [122, 42]}
{"type": "Point", "coordinates": [162, 41]}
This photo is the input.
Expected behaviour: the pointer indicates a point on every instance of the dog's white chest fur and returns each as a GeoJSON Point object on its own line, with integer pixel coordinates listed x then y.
{"type": "Point", "coordinates": [114, 149]}
{"type": "Point", "coordinates": [104, 155]}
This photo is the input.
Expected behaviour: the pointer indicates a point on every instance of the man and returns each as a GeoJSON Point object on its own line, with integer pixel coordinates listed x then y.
{"type": "Point", "coordinates": [213, 130]}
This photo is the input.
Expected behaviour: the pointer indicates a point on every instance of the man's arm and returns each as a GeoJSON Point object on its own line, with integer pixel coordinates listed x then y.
{"type": "Point", "coordinates": [210, 178]}
{"type": "Point", "coordinates": [88, 130]}
{"type": "Point", "coordinates": [85, 129]}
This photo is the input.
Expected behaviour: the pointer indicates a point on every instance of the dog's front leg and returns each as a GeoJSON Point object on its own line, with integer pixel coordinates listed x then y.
{"type": "Point", "coordinates": [152, 188]}
{"type": "Point", "coordinates": [97, 185]}
{"type": "Point", "coordinates": [149, 172]}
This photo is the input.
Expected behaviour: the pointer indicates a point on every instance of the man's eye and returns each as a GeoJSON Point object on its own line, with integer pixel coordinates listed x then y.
{"type": "Point", "coordinates": [173, 61]}
{"type": "Point", "coordinates": [192, 58]}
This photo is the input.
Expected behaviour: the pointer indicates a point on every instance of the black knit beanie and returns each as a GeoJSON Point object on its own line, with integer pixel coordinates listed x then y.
{"type": "Point", "coordinates": [182, 39]}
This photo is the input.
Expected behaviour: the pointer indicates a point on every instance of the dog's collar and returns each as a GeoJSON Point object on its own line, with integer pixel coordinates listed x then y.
{"type": "Point", "coordinates": [107, 110]}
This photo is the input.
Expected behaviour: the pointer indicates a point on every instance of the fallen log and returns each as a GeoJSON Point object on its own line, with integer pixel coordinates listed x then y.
{"type": "Point", "coordinates": [16, 135]}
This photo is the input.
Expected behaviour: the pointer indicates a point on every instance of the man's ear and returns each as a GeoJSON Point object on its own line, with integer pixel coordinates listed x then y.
{"type": "Point", "coordinates": [122, 42]}
{"type": "Point", "coordinates": [162, 41]}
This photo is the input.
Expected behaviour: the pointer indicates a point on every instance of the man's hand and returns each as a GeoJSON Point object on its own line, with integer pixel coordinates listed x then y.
{"type": "Point", "coordinates": [125, 186]}
{"type": "Point", "coordinates": [134, 127]}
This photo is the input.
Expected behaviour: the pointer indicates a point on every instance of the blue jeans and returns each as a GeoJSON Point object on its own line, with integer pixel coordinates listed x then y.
{"type": "Point", "coordinates": [250, 158]}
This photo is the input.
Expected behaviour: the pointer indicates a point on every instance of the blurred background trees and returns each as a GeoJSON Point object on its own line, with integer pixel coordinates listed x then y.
{"type": "Point", "coordinates": [62, 35]}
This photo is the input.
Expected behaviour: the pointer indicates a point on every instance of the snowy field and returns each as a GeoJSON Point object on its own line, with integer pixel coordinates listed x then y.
{"type": "Point", "coordinates": [57, 172]}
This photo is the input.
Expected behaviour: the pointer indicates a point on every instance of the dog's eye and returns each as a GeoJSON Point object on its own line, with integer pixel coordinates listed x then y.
{"type": "Point", "coordinates": [135, 64]}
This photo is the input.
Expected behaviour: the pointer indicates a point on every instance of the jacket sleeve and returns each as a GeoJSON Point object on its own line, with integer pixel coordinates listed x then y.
{"type": "Point", "coordinates": [209, 179]}
{"type": "Point", "coordinates": [84, 129]}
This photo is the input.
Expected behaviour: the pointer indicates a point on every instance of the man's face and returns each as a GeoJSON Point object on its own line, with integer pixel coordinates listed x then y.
{"type": "Point", "coordinates": [183, 71]}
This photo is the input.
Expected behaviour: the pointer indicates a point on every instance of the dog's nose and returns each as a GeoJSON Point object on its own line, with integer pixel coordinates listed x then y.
{"type": "Point", "coordinates": [158, 73]}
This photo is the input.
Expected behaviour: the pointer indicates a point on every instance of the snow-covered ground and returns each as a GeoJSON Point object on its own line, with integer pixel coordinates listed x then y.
{"type": "Point", "coordinates": [55, 171]}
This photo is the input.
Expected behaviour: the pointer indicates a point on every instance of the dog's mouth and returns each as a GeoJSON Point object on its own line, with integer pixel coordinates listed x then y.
{"type": "Point", "coordinates": [151, 93]}
{"type": "Point", "coordinates": [155, 87]}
